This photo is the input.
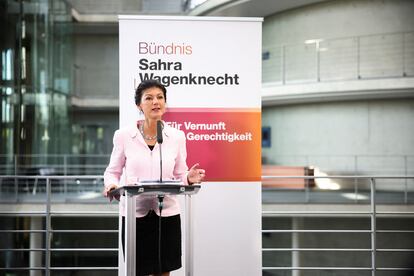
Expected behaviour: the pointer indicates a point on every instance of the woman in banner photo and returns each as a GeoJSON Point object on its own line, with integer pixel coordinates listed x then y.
{"type": "Point", "coordinates": [135, 155]}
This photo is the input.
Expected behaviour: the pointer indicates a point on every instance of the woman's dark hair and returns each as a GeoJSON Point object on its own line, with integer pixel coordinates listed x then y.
{"type": "Point", "coordinates": [146, 84]}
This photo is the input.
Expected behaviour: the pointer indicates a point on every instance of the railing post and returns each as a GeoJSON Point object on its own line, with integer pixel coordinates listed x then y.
{"type": "Point", "coordinates": [65, 173]}
{"type": "Point", "coordinates": [306, 190]}
{"type": "Point", "coordinates": [404, 74]}
{"type": "Point", "coordinates": [356, 179]}
{"type": "Point", "coordinates": [283, 49]}
{"type": "Point", "coordinates": [406, 179]}
{"type": "Point", "coordinates": [318, 62]}
{"type": "Point", "coordinates": [358, 58]}
{"type": "Point", "coordinates": [48, 226]}
{"type": "Point", "coordinates": [373, 228]}
{"type": "Point", "coordinates": [16, 184]}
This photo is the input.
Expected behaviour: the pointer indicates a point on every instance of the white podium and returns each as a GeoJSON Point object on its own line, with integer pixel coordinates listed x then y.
{"type": "Point", "coordinates": [157, 189]}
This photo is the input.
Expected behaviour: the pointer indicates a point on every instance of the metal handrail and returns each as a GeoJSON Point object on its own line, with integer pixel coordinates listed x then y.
{"type": "Point", "coordinates": [373, 231]}
{"type": "Point", "coordinates": [373, 213]}
{"type": "Point", "coordinates": [48, 214]}
{"type": "Point", "coordinates": [340, 177]}
{"type": "Point", "coordinates": [315, 268]}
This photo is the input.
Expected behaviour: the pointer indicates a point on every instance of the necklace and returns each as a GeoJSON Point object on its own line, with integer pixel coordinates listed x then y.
{"type": "Point", "coordinates": [146, 137]}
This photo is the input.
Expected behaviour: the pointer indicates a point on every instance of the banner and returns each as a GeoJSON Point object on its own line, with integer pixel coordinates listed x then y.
{"type": "Point", "coordinates": [212, 70]}
{"type": "Point", "coordinates": [212, 73]}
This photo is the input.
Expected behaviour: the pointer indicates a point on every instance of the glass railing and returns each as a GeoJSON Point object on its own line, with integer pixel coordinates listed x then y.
{"type": "Point", "coordinates": [95, 164]}
{"type": "Point", "coordinates": [342, 190]}
{"type": "Point", "coordinates": [33, 189]}
{"type": "Point", "coordinates": [387, 55]}
{"type": "Point", "coordinates": [53, 164]}
{"type": "Point", "coordinates": [320, 190]}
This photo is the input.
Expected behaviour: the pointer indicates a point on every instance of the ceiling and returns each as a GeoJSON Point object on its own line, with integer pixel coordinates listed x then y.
{"type": "Point", "coordinates": [108, 10]}
{"type": "Point", "coordinates": [248, 8]}
{"type": "Point", "coordinates": [126, 6]}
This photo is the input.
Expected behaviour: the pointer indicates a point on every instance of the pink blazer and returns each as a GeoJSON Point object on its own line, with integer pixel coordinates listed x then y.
{"type": "Point", "coordinates": [132, 161]}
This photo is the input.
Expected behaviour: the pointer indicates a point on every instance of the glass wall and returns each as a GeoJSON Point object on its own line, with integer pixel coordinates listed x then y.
{"type": "Point", "coordinates": [35, 78]}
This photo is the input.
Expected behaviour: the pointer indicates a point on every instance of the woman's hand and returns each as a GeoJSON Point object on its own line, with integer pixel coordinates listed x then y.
{"type": "Point", "coordinates": [108, 189]}
{"type": "Point", "coordinates": [195, 175]}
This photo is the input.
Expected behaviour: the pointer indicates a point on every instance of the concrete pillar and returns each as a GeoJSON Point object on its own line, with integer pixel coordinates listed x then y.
{"type": "Point", "coordinates": [297, 224]}
{"type": "Point", "coordinates": [36, 241]}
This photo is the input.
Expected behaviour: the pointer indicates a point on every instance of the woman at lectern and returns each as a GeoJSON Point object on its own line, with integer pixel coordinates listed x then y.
{"type": "Point", "coordinates": [135, 156]}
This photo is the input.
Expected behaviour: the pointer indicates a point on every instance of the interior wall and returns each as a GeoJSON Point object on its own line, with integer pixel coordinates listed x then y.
{"type": "Point", "coordinates": [339, 18]}
{"type": "Point", "coordinates": [96, 66]}
{"type": "Point", "coordinates": [371, 136]}
{"type": "Point", "coordinates": [382, 129]}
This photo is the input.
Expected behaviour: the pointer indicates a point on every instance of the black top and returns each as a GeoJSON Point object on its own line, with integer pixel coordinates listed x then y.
{"type": "Point", "coordinates": [151, 147]}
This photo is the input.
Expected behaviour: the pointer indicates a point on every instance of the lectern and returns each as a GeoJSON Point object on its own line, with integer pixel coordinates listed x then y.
{"type": "Point", "coordinates": [157, 189]}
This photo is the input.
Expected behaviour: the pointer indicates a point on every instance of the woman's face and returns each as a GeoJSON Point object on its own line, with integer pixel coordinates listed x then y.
{"type": "Point", "coordinates": [152, 103]}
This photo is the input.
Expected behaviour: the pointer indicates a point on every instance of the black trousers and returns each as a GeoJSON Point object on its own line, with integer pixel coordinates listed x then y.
{"type": "Point", "coordinates": [147, 243]}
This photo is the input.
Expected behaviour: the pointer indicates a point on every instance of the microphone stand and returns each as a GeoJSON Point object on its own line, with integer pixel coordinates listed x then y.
{"type": "Point", "coordinates": [160, 197]}
{"type": "Point", "coordinates": [160, 162]}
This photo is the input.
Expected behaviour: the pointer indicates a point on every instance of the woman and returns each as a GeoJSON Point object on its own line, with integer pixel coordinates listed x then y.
{"type": "Point", "coordinates": [134, 156]}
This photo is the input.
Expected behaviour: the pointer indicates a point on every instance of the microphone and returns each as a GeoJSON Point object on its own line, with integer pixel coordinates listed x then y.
{"type": "Point", "coordinates": [159, 131]}
{"type": "Point", "coordinates": [159, 141]}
